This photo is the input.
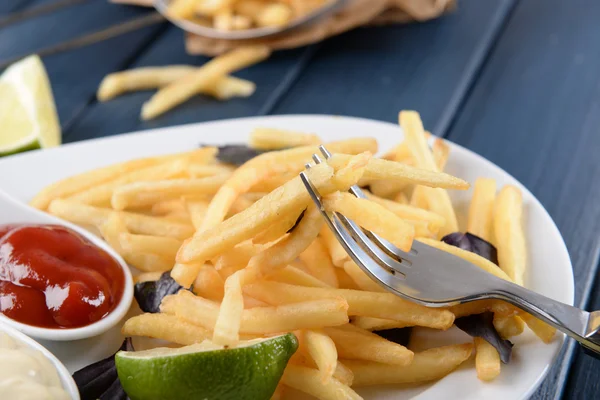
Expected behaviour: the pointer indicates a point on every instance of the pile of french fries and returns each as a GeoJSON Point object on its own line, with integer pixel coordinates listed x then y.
{"type": "Point", "coordinates": [228, 15]}
{"type": "Point", "coordinates": [253, 248]}
{"type": "Point", "coordinates": [178, 83]}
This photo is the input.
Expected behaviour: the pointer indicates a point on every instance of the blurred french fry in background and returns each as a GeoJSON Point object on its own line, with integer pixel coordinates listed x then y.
{"type": "Point", "coordinates": [308, 380]}
{"type": "Point", "coordinates": [165, 327]}
{"type": "Point", "coordinates": [209, 284]}
{"type": "Point", "coordinates": [317, 261]}
{"type": "Point", "coordinates": [481, 210]}
{"type": "Point", "coordinates": [118, 83]}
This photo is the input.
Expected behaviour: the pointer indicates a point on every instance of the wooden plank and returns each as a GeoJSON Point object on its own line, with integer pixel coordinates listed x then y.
{"type": "Point", "coordinates": [9, 6]}
{"type": "Point", "coordinates": [535, 112]}
{"type": "Point", "coordinates": [122, 114]}
{"type": "Point", "coordinates": [75, 75]}
{"type": "Point", "coordinates": [333, 77]}
{"type": "Point", "coordinates": [374, 72]}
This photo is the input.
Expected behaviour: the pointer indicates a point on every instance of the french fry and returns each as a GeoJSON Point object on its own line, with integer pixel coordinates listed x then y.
{"type": "Point", "coordinates": [371, 304]}
{"type": "Point", "coordinates": [386, 188]}
{"type": "Point", "coordinates": [441, 152]}
{"type": "Point", "coordinates": [118, 83]}
{"type": "Point", "coordinates": [308, 380]}
{"type": "Point", "coordinates": [344, 280]}
{"type": "Point", "coordinates": [78, 183]}
{"type": "Point", "coordinates": [336, 251]}
{"type": "Point", "coordinates": [378, 168]}
{"type": "Point", "coordinates": [260, 320]}
{"type": "Point", "coordinates": [147, 276]}
{"type": "Point", "coordinates": [209, 284]}
{"type": "Point", "coordinates": [278, 229]}
{"type": "Point", "coordinates": [288, 249]}
{"type": "Point", "coordinates": [185, 87]}
{"type": "Point", "coordinates": [276, 139]}
{"type": "Point", "coordinates": [540, 328]}
{"type": "Point", "coordinates": [355, 343]}
{"type": "Point", "coordinates": [409, 212]}
{"type": "Point", "coordinates": [487, 360]}
{"type": "Point", "coordinates": [136, 223]}
{"type": "Point", "coordinates": [296, 276]}
{"type": "Point", "coordinates": [401, 198]}
{"type": "Point", "coordinates": [376, 324]}
{"type": "Point", "coordinates": [182, 9]}
{"type": "Point", "coordinates": [100, 195]}
{"type": "Point", "coordinates": [112, 228]}
{"type": "Point", "coordinates": [165, 207]}
{"type": "Point", "coordinates": [373, 217]}
{"type": "Point", "coordinates": [343, 374]}
{"type": "Point", "coordinates": [437, 199]}
{"type": "Point", "coordinates": [510, 238]}
{"type": "Point", "coordinates": [362, 280]}
{"type": "Point", "coordinates": [202, 170]}
{"type": "Point", "coordinates": [317, 261]}
{"type": "Point", "coordinates": [274, 14]}
{"type": "Point", "coordinates": [197, 211]}
{"type": "Point", "coordinates": [508, 326]}
{"type": "Point", "coordinates": [323, 351]}
{"type": "Point", "coordinates": [428, 365]}
{"type": "Point", "coordinates": [243, 226]}
{"type": "Point", "coordinates": [140, 194]}
{"type": "Point", "coordinates": [238, 257]}
{"type": "Point", "coordinates": [165, 247]}
{"type": "Point", "coordinates": [481, 210]}
{"type": "Point", "coordinates": [227, 326]}
{"type": "Point", "coordinates": [165, 327]}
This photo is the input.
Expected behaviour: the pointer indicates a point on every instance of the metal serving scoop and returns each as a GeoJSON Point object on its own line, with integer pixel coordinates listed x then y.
{"type": "Point", "coordinates": [254, 33]}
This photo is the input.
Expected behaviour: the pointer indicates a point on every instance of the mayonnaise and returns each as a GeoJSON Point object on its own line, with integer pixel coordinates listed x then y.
{"type": "Point", "coordinates": [26, 374]}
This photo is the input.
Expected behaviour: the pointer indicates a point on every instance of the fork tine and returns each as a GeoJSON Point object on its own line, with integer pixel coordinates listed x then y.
{"type": "Point", "coordinates": [385, 245]}
{"type": "Point", "coordinates": [352, 238]}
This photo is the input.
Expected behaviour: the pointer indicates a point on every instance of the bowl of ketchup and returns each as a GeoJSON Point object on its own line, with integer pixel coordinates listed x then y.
{"type": "Point", "coordinates": [56, 284]}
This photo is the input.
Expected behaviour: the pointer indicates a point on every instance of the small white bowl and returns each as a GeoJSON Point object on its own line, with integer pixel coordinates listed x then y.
{"type": "Point", "coordinates": [12, 211]}
{"type": "Point", "coordinates": [65, 377]}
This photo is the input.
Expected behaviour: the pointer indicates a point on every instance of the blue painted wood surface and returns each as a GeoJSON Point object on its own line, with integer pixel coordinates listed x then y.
{"type": "Point", "coordinates": [517, 82]}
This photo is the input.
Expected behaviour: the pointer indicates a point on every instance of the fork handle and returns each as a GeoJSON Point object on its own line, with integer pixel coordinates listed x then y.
{"type": "Point", "coordinates": [581, 325]}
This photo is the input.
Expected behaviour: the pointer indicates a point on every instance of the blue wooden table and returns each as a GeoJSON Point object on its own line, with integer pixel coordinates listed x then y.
{"type": "Point", "coordinates": [515, 81]}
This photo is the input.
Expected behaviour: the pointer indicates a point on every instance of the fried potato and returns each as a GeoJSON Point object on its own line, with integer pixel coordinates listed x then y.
{"type": "Point", "coordinates": [278, 229]}
{"type": "Point", "coordinates": [343, 374]}
{"type": "Point", "coordinates": [362, 280]}
{"type": "Point", "coordinates": [165, 247]}
{"type": "Point", "coordinates": [355, 343]}
{"type": "Point", "coordinates": [370, 304]}
{"type": "Point", "coordinates": [277, 139]}
{"type": "Point", "coordinates": [481, 210]}
{"type": "Point", "coordinates": [323, 351]}
{"type": "Point", "coordinates": [238, 257]}
{"type": "Point", "coordinates": [190, 84]}
{"type": "Point", "coordinates": [260, 320]}
{"type": "Point", "coordinates": [373, 217]}
{"type": "Point", "coordinates": [428, 365]}
{"type": "Point", "coordinates": [165, 327]}
{"type": "Point", "coordinates": [308, 380]}
{"type": "Point", "coordinates": [227, 326]}
{"type": "Point", "coordinates": [410, 213]}
{"type": "Point", "coordinates": [376, 324]}
{"type": "Point", "coordinates": [508, 229]}
{"type": "Point", "coordinates": [78, 183]}
{"type": "Point", "coordinates": [209, 284]}
{"type": "Point", "coordinates": [137, 223]}
{"type": "Point", "coordinates": [146, 78]}
{"type": "Point", "coordinates": [336, 251]}
{"type": "Point", "coordinates": [140, 194]}
{"type": "Point", "coordinates": [383, 169]}
{"type": "Point", "coordinates": [147, 276]}
{"type": "Point", "coordinates": [317, 261]}
{"type": "Point", "coordinates": [508, 326]}
{"type": "Point", "coordinates": [296, 276]}
{"type": "Point", "coordinates": [487, 360]}
{"type": "Point", "coordinates": [243, 226]}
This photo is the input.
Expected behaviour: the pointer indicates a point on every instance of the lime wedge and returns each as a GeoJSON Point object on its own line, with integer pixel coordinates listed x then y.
{"type": "Point", "coordinates": [27, 111]}
{"type": "Point", "coordinates": [247, 372]}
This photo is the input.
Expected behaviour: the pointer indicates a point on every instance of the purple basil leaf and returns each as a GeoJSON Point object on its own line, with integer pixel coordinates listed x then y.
{"type": "Point", "coordinates": [100, 380]}
{"type": "Point", "coordinates": [475, 244]}
{"type": "Point", "coordinates": [396, 335]}
{"type": "Point", "coordinates": [149, 294]}
{"type": "Point", "coordinates": [236, 154]}
{"type": "Point", "coordinates": [482, 326]}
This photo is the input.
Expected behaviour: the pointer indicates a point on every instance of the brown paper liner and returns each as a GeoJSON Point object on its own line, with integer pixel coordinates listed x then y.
{"type": "Point", "coordinates": [355, 14]}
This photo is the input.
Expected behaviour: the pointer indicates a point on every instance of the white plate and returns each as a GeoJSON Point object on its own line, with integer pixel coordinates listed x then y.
{"type": "Point", "coordinates": [550, 270]}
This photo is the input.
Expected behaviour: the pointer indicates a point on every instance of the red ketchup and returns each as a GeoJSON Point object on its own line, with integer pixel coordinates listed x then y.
{"type": "Point", "coordinates": [52, 277]}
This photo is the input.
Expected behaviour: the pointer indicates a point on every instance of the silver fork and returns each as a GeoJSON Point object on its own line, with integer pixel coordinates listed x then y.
{"type": "Point", "coordinates": [435, 278]}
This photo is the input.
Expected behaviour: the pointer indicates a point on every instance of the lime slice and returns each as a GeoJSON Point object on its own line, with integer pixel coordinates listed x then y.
{"type": "Point", "coordinates": [27, 111]}
{"type": "Point", "coordinates": [247, 372]}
